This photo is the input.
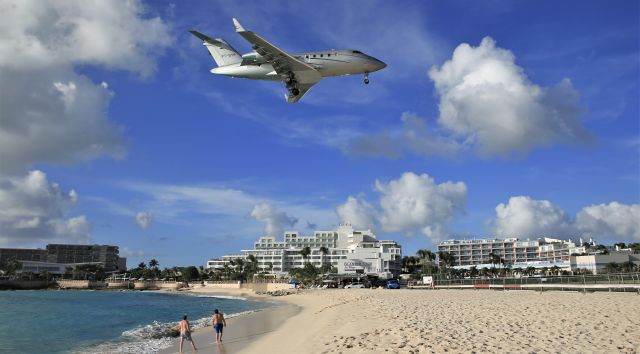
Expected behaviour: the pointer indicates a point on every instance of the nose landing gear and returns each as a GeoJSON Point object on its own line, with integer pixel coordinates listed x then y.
{"type": "Point", "coordinates": [366, 78]}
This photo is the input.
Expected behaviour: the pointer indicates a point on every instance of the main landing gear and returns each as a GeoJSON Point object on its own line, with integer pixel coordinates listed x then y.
{"type": "Point", "coordinates": [366, 78]}
{"type": "Point", "coordinates": [292, 85]}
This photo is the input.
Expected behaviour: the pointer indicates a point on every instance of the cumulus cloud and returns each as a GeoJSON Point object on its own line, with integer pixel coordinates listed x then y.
{"type": "Point", "coordinates": [275, 221]}
{"type": "Point", "coordinates": [526, 217]}
{"type": "Point", "coordinates": [144, 219]}
{"type": "Point", "coordinates": [417, 203]}
{"type": "Point", "coordinates": [33, 212]}
{"type": "Point", "coordinates": [358, 212]}
{"type": "Point", "coordinates": [410, 204]}
{"type": "Point", "coordinates": [487, 101]}
{"type": "Point", "coordinates": [613, 221]}
{"type": "Point", "coordinates": [50, 112]}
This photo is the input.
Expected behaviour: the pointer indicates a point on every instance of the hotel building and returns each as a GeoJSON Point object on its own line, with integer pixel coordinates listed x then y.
{"type": "Point", "coordinates": [544, 252]}
{"type": "Point", "coordinates": [350, 251]}
{"type": "Point", "coordinates": [57, 257]}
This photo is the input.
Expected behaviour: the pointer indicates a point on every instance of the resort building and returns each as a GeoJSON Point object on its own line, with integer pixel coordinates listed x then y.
{"type": "Point", "coordinates": [544, 252]}
{"type": "Point", "coordinates": [349, 251]}
{"type": "Point", "coordinates": [58, 257]}
{"type": "Point", "coordinates": [597, 263]}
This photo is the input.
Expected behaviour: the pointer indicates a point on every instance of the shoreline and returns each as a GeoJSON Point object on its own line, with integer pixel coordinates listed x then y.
{"type": "Point", "coordinates": [241, 330]}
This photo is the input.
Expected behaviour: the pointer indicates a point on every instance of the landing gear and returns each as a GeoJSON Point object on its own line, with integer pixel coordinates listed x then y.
{"type": "Point", "coordinates": [294, 91]}
{"type": "Point", "coordinates": [366, 78]}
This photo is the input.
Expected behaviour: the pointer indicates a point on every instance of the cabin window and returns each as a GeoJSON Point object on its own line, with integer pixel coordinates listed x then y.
{"type": "Point", "coordinates": [314, 55]}
{"type": "Point", "coordinates": [306, 56]}
{"type": "Point", "coordinates": [321, 55]}
{"type": "Point", "coordinates": [329, 54]}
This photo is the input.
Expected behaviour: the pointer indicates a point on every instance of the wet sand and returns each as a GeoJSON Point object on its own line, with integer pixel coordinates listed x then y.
{"type": "Point", "coordinates": [241, 330]}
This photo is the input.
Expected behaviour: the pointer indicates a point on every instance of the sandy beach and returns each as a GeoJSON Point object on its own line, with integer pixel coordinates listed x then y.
{"type": "Point", "coordinates": [434, 321]}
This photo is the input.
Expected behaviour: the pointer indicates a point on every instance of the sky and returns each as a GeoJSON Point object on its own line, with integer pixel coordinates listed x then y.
{"type": "Point", "coordinates": [492, 119]}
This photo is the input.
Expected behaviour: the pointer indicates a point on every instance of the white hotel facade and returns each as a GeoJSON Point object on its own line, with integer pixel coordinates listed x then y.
{"type": "Point", "coordinates": [350, 251]}
{"type": "Point", "coordinates": [544, 252]}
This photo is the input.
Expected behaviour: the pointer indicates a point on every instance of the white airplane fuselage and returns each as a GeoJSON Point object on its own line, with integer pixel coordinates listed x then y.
{"type": "Point", "coordinates": [328, 63]}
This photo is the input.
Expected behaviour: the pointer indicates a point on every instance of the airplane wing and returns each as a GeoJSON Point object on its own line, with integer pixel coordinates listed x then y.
{"type": "Point", "coordinates": [282, 63]}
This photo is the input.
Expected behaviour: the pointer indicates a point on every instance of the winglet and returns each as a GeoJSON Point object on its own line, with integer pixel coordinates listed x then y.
{"type": "Point", "coordinates": [200, 35]}
{"type": "Point", "coordinates": [239, 27]}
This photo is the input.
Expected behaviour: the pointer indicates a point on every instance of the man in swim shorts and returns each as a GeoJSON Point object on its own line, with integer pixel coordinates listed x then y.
{"type": "Point", "coordinates": [185, 333]}
{"type": "Point", "coordinates": [218, 322]}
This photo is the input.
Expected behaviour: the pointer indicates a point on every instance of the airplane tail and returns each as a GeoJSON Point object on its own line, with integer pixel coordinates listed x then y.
{"type": "Point", "coordinates": [221, 51]}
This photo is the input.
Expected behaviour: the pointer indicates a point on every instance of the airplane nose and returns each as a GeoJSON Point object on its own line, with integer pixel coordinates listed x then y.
{"type": "Point", "coordinates": [380, 65]}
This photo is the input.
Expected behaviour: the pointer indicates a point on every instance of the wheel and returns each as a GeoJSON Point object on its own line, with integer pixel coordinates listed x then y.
{"type": "Point", "coordinates": [288, 79]}
{"type": "Point", "coordinates": [295, 91]}
{"type": "Point", "coordinates": [366, 81]}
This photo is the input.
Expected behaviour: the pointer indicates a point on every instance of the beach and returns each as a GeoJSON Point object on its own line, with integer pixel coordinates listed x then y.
{"type": "Point", "coordinates": [433, 321]}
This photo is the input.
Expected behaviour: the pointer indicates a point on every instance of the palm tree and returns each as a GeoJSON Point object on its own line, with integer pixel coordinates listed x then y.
{"type": "Point", "coordinates": [446, 259]}
{"type": "Point", "coordinates": [252, 265]}
{"type": "Point", "coordinates": [305, 252]}
{"type": "Point", "coordinates": [473, 272]}
{"type": "Point", "coordinates": [323, 251]}
{"type": "Point", "coordinates": [270, 267]}
{"type": "Point", "coordinates": [495, 258]}
{"type": "Point", "coordinates": [426, 257]}
{"type": "Point", "coordinates": [153, 264]}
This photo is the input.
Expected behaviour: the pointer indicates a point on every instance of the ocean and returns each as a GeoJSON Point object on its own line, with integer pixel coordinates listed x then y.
{"type": "Point", "coordinates": [68, 321]}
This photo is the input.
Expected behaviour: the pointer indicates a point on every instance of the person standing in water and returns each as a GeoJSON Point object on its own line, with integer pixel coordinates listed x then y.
{"type": "Point", "coordinates": [185, 333]}
{"type": "Point", "coordinates": [218, 323]}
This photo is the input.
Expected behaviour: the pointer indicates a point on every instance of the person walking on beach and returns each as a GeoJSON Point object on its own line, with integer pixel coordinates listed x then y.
{"type": "Point", "coordinates": [185, 333]}
{"type": "Point", "coordinates": [218, 323]}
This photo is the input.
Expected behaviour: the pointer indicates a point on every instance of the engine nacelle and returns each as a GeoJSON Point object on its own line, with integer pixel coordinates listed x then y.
{"type": "Point", "coordinates": [252, 58]}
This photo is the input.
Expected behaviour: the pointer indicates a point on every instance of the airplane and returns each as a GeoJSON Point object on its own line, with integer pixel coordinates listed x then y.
{"type": "Point", "coordinates": [299, 72]}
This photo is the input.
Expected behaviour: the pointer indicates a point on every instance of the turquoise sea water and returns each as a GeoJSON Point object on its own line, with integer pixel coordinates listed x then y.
{"type": "Point", "coordinates": [103, 321]}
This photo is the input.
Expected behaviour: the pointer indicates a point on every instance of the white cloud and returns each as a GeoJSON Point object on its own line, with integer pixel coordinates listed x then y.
{"type": "Point", "coordinates": [184, 204]}
{"type": "Point", "coordinates": [144, 219]}
{"type": "Point", "coordinates": [33, 212]}
{"type": "Point", "coordinates": [488, 101]}
{"type": "Point", "coordinates": [117, 35]}
{"type": "Point", "coordinates": [416, 203]}
{"type": "Point", "coordinates": [275, 221]}
{"type": "Point", "coordinates": [54, 116]}
{"type": "Point", "coordinates": [51, 113]}
{"type": "Point", "coordinates": [412, 203]}
{"type": "Point", "coordinates": [357, 212]}
{"type": "Point", "coordinates": [613, 221]}
{"type": "Point", "coordinates": [525, 217]}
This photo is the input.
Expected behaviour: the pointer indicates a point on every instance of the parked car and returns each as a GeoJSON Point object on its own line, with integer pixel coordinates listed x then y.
{"type": "Point", "coordinates": [354, 286]}
{"type": "Point", "coordinates": [393, 284]}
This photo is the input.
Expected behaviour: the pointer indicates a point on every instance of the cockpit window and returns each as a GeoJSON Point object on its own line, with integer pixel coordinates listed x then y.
{"type": "Point", "coordinates": [356, 52]}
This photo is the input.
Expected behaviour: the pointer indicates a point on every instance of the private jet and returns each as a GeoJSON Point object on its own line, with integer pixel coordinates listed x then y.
{"type": "Point", "coordinates": [299, 72]}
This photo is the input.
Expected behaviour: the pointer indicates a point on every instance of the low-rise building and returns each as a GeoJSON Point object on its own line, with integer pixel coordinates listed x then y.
{"type": "Point", "coordinates": [597, 263]}
{"type": "Point", "coordinates": [349, 251]}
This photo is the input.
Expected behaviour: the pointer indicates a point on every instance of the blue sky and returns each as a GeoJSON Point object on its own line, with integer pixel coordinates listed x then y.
{"type": "Point", "coordinates": [492, 118]}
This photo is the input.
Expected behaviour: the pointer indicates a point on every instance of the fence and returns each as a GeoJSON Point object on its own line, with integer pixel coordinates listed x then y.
{"type": "Point", "coordinates": [606, 282]}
